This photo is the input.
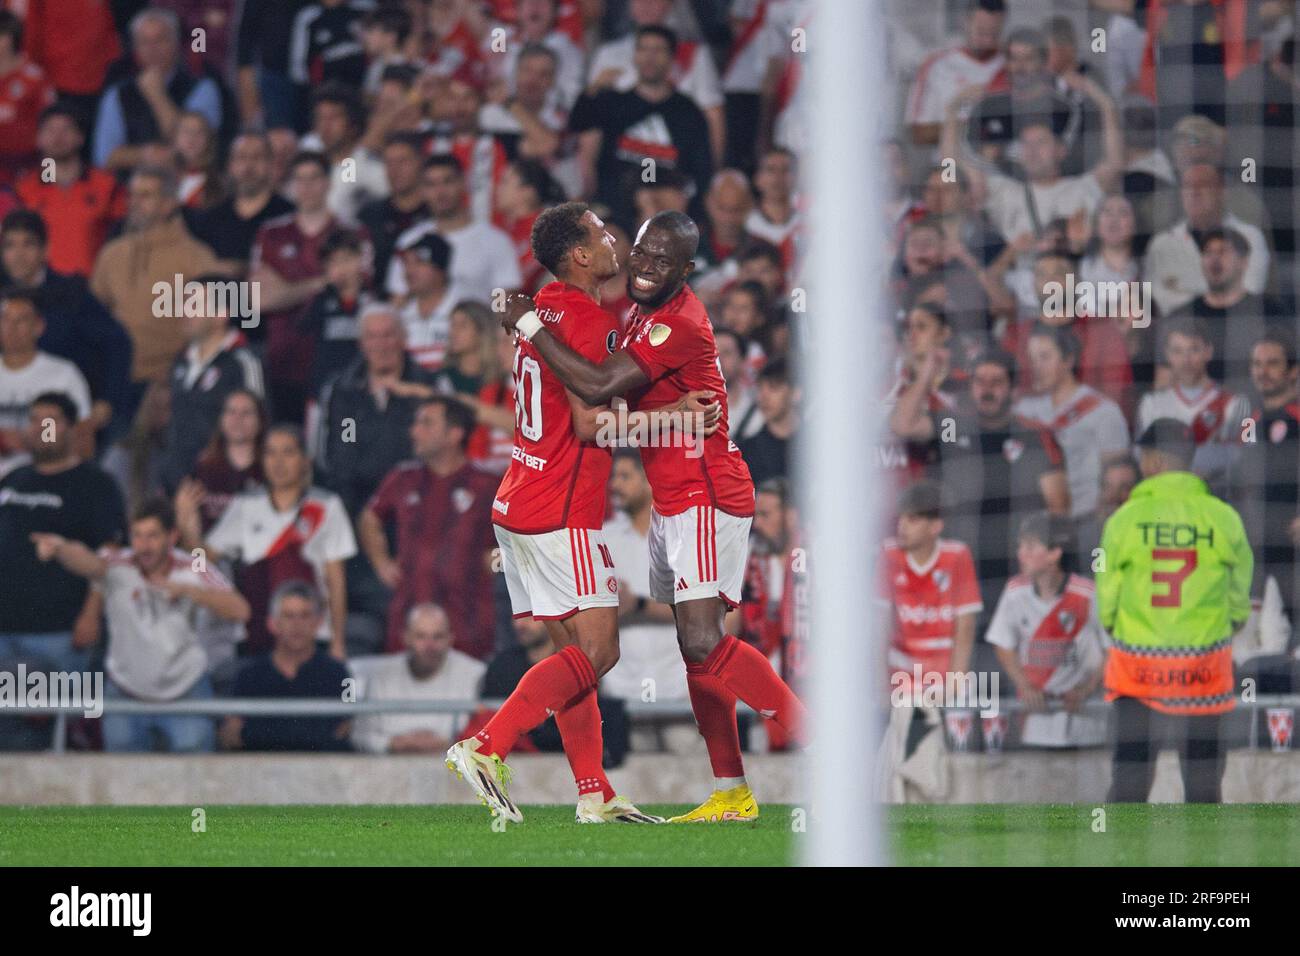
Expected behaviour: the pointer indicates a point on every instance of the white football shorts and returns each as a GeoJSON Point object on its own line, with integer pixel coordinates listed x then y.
{"type": "Point", "coordinates": [554, 575]}
{"type": "Point", "coordinates": [700, 553]}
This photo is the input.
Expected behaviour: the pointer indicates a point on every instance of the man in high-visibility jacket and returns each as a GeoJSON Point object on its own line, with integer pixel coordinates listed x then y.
{"type": "Point", "coordinates": [1174, 589]}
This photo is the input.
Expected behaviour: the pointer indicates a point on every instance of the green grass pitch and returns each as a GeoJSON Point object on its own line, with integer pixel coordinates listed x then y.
{"type": "Point", "coordinates": [988, 835]}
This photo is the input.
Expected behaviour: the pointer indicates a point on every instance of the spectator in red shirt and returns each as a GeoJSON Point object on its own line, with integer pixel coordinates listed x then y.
{"type": "Point", "coordinates": [74, 41]}
{"type": "Point", "coordinates": [930, 586]}
{"type": "Point", "coordinates": [439, 505]}
{"type": "Point", "coordinates": [24, 93]}
{"type": "Point", "coordinates": [85, 202]}
{"type": "Point", "coordinates": [494, 410]}
{"type": "Point", "coordinates": [218, 19]}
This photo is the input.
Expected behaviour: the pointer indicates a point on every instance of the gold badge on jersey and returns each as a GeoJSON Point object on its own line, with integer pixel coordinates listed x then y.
{"type": "Point", "coordinates": [659, 333]}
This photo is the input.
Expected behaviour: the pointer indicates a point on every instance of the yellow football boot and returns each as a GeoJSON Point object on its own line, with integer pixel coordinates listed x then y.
{"type": "Point", "coordinates": [723, 806]}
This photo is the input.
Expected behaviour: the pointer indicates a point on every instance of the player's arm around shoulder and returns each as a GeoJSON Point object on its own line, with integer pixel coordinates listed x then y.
{"type": "Point", "coordinates": [594, 383]}
{"type": "Point", "coordinates": [593, 334]}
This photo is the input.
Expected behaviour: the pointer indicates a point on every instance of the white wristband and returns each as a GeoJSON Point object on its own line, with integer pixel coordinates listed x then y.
{"type": "Point", "coordinates": [527, 325]}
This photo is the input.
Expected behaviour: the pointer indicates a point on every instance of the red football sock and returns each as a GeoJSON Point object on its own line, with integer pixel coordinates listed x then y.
{"type": "Point", "coordinates": [745, 672]}
{"type": "Point", "coordinates": [715, 715]}
{"type": "Point", "coordinates": [545, 689]}
{"type": "Point", "coordinates": [579, 723]}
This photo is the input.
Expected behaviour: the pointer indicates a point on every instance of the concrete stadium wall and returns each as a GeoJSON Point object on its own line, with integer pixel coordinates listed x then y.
{"type": "Point", "coordinates": [90, 779]}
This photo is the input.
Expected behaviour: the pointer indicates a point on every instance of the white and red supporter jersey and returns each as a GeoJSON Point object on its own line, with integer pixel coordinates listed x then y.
{"type": "Point", "coordinates": [927, 600]}
{"type": "Point", "coordinates": [555, 480]}
{"type": "Point", "coordinates": [457, 55]}
{"type": "Point", "coordinates": [1213, 414]}
{"type": "Point", "coordinates": [275, 546]}
{"type": "Point", "coordinates": [943, 75]}
{"type": "Point", "coordinates": [675, 348]}
{"type": "Point", "coordinates": [1057, 639]}
{"type": "Point", "coordinates": [1088, 426]}
{"type": "Point", "coordinates": [483, 159]}
{"type": "Point", "coordinates": [568, 17]}
{"type": "Point", "coordinates": [786, 236]}
{"type": "Point", "coordinates": [755, 42]}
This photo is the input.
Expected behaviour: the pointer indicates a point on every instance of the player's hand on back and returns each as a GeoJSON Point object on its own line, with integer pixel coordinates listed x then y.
{"type": "Point", "coordinates": [701, 410]}
{"type": "Point", "coordinates": [517, 306]}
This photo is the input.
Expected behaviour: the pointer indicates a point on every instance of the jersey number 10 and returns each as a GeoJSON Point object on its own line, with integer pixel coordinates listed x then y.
{"type": "Point", "coordinates": [528, 396]}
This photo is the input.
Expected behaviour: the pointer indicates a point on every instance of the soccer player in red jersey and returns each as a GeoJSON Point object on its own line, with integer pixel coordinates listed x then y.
{"type": "Point", "coordinates": [703, 502]}
{"type": "Point", "coordinates": [548, 515]}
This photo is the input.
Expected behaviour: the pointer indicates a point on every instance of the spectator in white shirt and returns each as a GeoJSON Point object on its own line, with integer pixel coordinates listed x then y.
{"type": "Point", "coordinates": [949, 71]}
{"type": "Point", "coordinates": [530, 113]}
{"type": "Point", "coordinates": [25, 372]}
{"type": "Point", "coordinates": [535, 23]}
{"type": "Point", "coordinates": [1173, 260]}
{"type": "Point", "coordinates": [431, 669]}
{"type": "Point", "coordinates": [1087, 425]}
{"type": "Point", "coordinates": [483, 258]}
{"type": "Point", "coordinates": [1021, 209]}
{"type": "Point", "coordinates": [426, 316]}
{"type": "Point", "coordinates": [163, 610]}
{"type": "Point", "coordinates": [1048, 639]}
{"type": "Point", "coordinates": [1214, 414]}
{"type": "Point", "coordinates": [775, 217]}
{"type": "Point", "coordinates": [288, 530]}
{"type": "Point", "coordinates": [357, 175]}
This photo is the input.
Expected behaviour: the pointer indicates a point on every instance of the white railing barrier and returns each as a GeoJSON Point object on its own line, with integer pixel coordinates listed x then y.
{"type": "Point", "coordinates": [321, 707]}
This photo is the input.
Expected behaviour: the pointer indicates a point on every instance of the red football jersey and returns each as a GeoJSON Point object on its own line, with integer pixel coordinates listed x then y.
{"type": "Point", "coordinates": [555, 481]}
{"type": "Point", "coordinates": [24, 93]}
{"type": "Point", "coordinates": [927, 601]}
{"type": "Point", "coordinates": [674, 346]}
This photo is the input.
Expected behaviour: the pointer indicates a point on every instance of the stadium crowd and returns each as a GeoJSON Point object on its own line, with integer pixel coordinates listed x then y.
{"type": "Point", "coordinates": [264, 498]}
{"type": "Point", "coordinates": [304, 478]}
